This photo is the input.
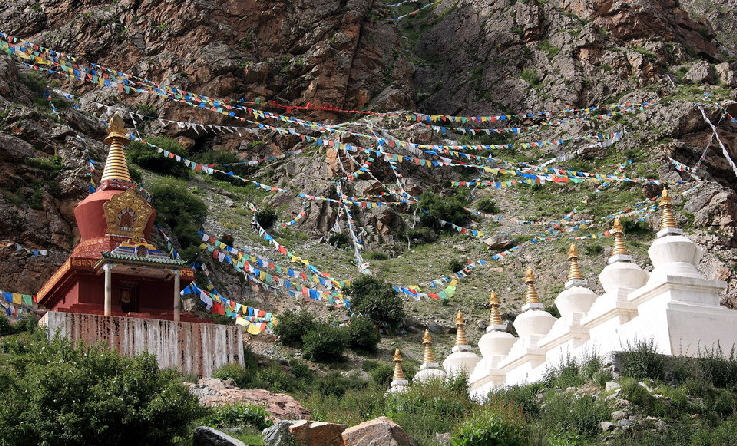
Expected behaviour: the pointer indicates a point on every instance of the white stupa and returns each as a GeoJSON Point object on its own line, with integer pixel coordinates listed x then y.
{"type": "Point", "coordinates": [494, 346]}
{"type": "Point", "coordinates": [429, 369]}
{"type": "Point", "coordinates": [573, 302]}
{"type": "Point", "coordinates": [462, 359]}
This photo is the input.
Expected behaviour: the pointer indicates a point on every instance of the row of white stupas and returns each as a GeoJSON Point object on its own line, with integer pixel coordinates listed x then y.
{"type": "Point", "coordinates": [674, 307]}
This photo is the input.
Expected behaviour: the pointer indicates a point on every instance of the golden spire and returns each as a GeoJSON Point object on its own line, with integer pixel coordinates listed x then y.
{"type": "Point", "coordinates": [398, 372]}
{"type": "Point", "coordinates": [495, 317]}
{"type": "Point", "coordinates": [427, 346]}
{"type": "Point", "coordinates": [115, 166]}
{"type": "Point", "coordinates": [574, 273]}
{"type": "Point", "coordinates": [460, 331]}
{"type": "Point", "coordinates": [666, 203]}
{"type": "Point", "coordinates": [531, 293]}
{"type": "Point", "coordinates": [618, 233]}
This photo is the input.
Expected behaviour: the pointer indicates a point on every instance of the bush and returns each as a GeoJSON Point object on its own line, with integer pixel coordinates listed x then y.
{"type": "Point", "coordinates": [420, 235]}
{"type": "Point", "coordinates": [633, 227]}
{"type": "Point", "coordinates": [427, 409]}
{"type": "Point", "coordinates": [376, 255]}
{"type": "Point", "coordinates": [376, 300]}
{"type": "Point", "coordinates": [181, 211]}
{"type": "Point", "coordinates": [239, 415]}
{"type": "Point", "coordinates": [499, 424]}
{"type": "Point", "coordinates": [639, 396]}
{"type": "Point", "coordinates": [442, 208]}
{"type": "Point", "coordinates": [487, 206]}
{"type": "Point", "coordinates": [456, 265]}
{"type": "Point", "coordinates": [339, 239]}
{"type": "Point", "coordinates": [240, 376]}
{"type": "Point", "coordinates": [324, 343]}
{"type": "Point", "coordinates": [148, 157]}
{"type": "Point", "coordinates": [56, 393]}
{"type": "Point", "coordinates": [5, 327]}
{"type": "Point", "coordinates": [523, 396]}
{"type": "Point", "coordinates": [266, 217]}
{"type": "Point", "coordinates": [362, 335]}
{"type": "Point", "coordinates": [641, 361]}
{"type": "Point", "coordinates": [382, 374]}
{"type": "Point", "coordinates": [336, 384]}
{"type": "Point", "coordinates": [293, 326]}
{"type": "Point", "coordinates": [571, 416]}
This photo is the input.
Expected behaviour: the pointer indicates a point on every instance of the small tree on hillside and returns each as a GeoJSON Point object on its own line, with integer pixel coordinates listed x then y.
{"type": "Point", "coordinates": [376, 300]}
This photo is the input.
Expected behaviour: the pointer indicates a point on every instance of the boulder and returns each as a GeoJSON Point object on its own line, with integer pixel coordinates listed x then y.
{"type": "Point", "coordinates": [499, 242]}
{"type": "Point", "coordinates": [215, 392]}
{"type": "Point", "coordinates": [380, 431]}
{"type": "Point", "coordinates": [207, 436]}
{"type": "Point", "coordinates": [701, 72]}
{"type": "Point", "coordinates": [317, 433]}
{"type": "Point", "coordinates": [279, 434]}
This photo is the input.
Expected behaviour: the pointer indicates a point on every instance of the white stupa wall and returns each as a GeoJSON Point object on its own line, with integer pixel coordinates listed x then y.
{"type": "Point", "coordinates": [674, 307]}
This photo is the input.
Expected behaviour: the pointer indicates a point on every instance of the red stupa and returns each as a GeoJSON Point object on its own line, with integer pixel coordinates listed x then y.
{"type": "Point", "coordinates": [114, 270]}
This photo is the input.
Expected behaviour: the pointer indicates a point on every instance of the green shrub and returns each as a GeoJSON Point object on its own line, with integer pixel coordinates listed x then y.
{"type": "Point", "coordinates": [427, 409]}
{"type": "Point", "coordinates": [456, 265]}
{"type": "Point", "coordinates": [148, 157]}
{"type": "Point", "coordinates": [487, 206]}
{"type": "Point", "coordinates": [5, 327]}
{"type": "Point", "coordinates": [273, 378]}
{"type": "Point", "coordinates": [420, 235]}
{"type": "Point", "coordinates": [633, 227]}
{"type": "Point", "coordinates": [136, 175]}
{"type": "Point", "coordinates": [523, 396]}
{"type": "Point", "coordinates": [362, 335]}
{"type": "Point", "coordinates": [339, 239]}
{"type": "Point", "coordinates": [641, 361]}
{"type": "Point", "coordinates": [639, 396]}
{"type": "Point", "coordinates": [56, 393]}
{"type": "Point", "coordinates": [376, 300]}
{"type": "Point", "coordinates": [52, 164]}
{"type": "Point", "coordinates": [336, 384]}
{"type": "Point", "coordinates": [181, 211]}
{"type": "Point", "coordinates": [236, 372]}
{"type": "Point", "coordinates": [266, 217]}
{"type": "Point", "coordinates": [376, 255]}
{"type": "Point", "coordinates": [293, 326]}
{"type": "Point", "coordinates": [570, 415]}
{"type": "Point", "coordinates": [437, 207]}
{"type": "Point", "coordinates": [499, 424]}
{"type": "Point", "coordinates": [324, 343]}
{"type": "Point", "coordinates": [382, 374]}
{"type": "Point", "coordinates": [531, 77]}
{"type": "Point", "coordinates": [239, 415]}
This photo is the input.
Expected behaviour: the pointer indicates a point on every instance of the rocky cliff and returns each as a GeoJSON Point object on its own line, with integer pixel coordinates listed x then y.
{"type": "Point", "coordinates": [465, 57]}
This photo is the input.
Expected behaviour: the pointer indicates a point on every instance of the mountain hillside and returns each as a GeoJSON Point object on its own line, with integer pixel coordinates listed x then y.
{"type": "Point", "coordinates": [647, 64]}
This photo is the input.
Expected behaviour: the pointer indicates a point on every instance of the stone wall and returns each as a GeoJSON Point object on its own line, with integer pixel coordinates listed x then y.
{"type": "Point", "coordinates": [193, 348]}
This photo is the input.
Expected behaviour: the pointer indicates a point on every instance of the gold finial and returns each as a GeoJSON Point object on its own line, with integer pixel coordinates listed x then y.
{"type": "Point", "coordinates": [666, 203]}
{"type": "Point", "coordinates": [495, 317]}
{"type": "Point", "coordinates": [460, 331]}
{"type": "Point", "coordinates": [574, 273]}
{"type": "Point", "coordinates": [618, 233]}
{"type": "Point", "coordinates": [531, 293]}
{"type": "Point", "coordinates": [116, 167]}
{"type": "Point", "coordinates": [427, 346]}
{"type": "Point", "coordinates": [398, 372]}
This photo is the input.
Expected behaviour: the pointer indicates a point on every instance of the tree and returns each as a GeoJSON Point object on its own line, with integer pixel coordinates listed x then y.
{"type": "Point", "coordinates": [376, 300]}
{"type": "Point", "coordinates": [56, 393]}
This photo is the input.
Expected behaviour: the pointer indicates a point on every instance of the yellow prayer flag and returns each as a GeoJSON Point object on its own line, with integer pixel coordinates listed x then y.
{"type": "Point", "coordinates": [253, 329]}
{"type": "Point", "coordinates": [17, 298]}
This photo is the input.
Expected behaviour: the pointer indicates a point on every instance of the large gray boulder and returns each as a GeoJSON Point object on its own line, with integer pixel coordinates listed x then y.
{"type": "Point", "coordinates": [207, 436]}
{"type": "Point", "coordinates": [279, 435]}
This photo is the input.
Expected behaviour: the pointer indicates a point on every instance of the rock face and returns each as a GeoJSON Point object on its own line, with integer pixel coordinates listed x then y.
{"type": "Point", "coordinates": [214, 392]}
{"type": "Point", "coordinates": [317, 433]}
{"type": "Point", "coordinates": [207, 436]}
{"type": "Point", "coordinates": [379, 431]}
